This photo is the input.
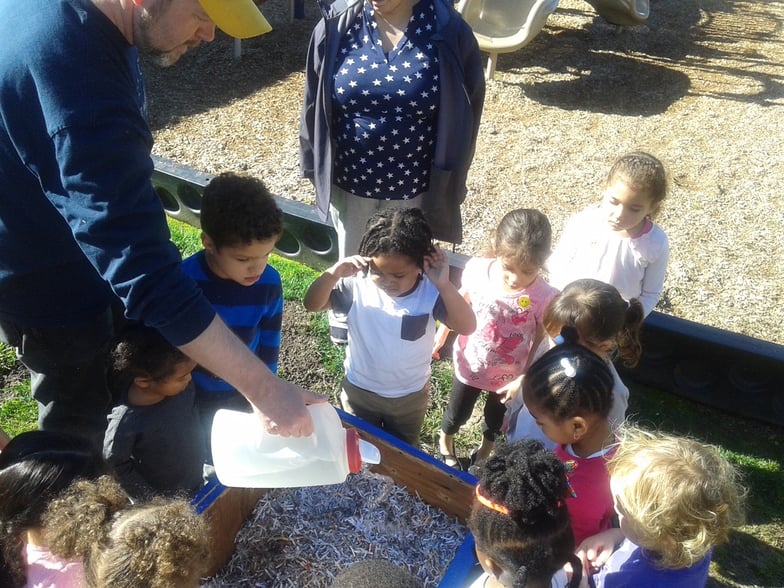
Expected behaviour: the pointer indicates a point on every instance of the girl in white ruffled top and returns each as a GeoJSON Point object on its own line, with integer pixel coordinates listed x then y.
{"type": "Point", "coordinates": [617, 241]}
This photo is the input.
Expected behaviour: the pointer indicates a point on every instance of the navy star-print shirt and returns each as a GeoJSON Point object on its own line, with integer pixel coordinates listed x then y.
{"type": "Point", "coordinates": [385, 108]}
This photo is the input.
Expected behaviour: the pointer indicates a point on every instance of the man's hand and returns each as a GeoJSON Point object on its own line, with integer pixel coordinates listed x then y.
{"type": "Point", "coordinates": [280, 404]}
{"type": "Point", "coordinates": [283, 412]}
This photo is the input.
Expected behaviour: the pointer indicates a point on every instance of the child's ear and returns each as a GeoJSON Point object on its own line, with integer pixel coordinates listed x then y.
{"type": "Point", "coordinates": [492, 567]}
{"type": "Point", "coordinates": [208, 243]}
{"type": "Point", "coordinates": [579, 427]}
{"type": "Point", "coordinates": [142, 381]}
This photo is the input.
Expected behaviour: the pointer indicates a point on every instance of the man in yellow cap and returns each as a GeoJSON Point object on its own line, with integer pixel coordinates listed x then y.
{"type": "Point", "coordinates": [168, 28]}
{"type": "Point", "coordinates": [83, 235]}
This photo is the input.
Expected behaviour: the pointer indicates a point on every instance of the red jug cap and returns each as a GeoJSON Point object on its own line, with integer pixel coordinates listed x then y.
{"type": "Point", "coordinates": [352, 451]}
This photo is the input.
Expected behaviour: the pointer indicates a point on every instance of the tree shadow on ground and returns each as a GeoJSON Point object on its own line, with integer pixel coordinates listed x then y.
{"type": "Point", "coordinates": [643, 70]}
{"type": "Point", "coordinates": [743, 557]}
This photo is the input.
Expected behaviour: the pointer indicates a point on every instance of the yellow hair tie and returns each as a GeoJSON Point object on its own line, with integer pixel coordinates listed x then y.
{"type": "Point", "coordinates": [490, 504]}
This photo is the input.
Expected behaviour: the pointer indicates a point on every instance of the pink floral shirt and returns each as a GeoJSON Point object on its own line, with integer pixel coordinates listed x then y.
{"type": "Point", "coordinates": [506, 324]}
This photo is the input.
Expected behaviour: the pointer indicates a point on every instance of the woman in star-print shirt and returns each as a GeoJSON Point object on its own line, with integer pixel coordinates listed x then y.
{"type": "Point", "coordinates": [393, 98]}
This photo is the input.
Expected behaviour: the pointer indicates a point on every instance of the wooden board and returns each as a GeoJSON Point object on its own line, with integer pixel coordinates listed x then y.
{"type": "Point", "coordinates": [435, 483]}
{"type": "Point", "coordinates": [226, 509]}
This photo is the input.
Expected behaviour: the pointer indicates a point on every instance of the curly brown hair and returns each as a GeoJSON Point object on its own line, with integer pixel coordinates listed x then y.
{"type": "Point", "coordinates": [159, 544]}
{"type": "Point", "coordinates": [35, 467]}
{"type": "Point", "coordinates": [237, 210]}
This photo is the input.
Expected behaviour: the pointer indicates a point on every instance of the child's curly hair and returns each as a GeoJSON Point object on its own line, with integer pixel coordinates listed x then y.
{"type": "Point", "coordinates": [678, 497]}
{"type": "Point", "coordinates": [35, 467]}
{"type": "Point", "coordinates": [159, 544]}
{"type": "Point", "coordinates": [534, 536]}
{"type": "Point", "coordinates": [142, 351]}
{"type": "Point", "coordinates": [402, 231]}
{"type": "Point", "coordinates": [237, 210]}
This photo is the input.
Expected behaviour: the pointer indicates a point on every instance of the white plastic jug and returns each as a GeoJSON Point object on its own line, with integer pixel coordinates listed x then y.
{"type": "Point", "coordinates": [246, 456]}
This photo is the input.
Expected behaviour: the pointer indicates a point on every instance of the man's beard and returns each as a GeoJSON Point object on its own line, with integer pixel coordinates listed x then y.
{"type": "Point", "coordinates": [162, 58]}
{"type": "Point", "coordinates": [143, 35]}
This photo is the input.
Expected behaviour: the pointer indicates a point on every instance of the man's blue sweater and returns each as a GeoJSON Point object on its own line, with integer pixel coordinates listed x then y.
{"type": "Point", "coordinates": [79, 218]}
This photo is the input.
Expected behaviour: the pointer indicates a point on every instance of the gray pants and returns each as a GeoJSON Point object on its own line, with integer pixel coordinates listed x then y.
{"type": "Point", "coordinates": [401, 417]}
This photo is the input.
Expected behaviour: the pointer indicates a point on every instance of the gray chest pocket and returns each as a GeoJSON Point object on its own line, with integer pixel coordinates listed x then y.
{"type": "Point", "coordinates": [414, 327]}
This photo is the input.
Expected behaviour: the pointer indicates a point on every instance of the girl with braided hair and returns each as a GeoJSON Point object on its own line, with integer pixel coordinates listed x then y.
{"type": "Point", "coordinates": [392, 293]}
{"type": "Point", "coordinates": [568, 392]}
{"type": "Point", "coordinates": [520, 521]}
{"type": "Point", "coordinates": [606, 324]}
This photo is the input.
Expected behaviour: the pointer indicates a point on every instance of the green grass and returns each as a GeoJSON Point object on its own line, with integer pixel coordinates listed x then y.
{"type": "Point", "coordinates": [331, 355]}
{"type": "Point", "coordinates": [18, 410]}
{"type": "Point", "coordinates": [295, 277]}
{"type": "Point", "coordinates": [753, 557]}
{"type": "Point", "coordinates": [186, 237]}
{"type": "Point", "coordinates": [7, 359]}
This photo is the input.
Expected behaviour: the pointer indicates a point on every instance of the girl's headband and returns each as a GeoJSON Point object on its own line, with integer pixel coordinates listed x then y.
{"type": "Point", "coordinates": [484, 501]}
{"type": "Point", "coordinates": [500, 508]}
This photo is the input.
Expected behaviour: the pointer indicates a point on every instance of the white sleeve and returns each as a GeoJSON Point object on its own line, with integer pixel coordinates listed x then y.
{"type": "Point", "coordinates": [653, 279]}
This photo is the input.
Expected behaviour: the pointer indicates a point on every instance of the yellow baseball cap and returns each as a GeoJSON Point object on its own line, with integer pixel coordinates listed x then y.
{"type": "Point", "coordinates": [238, 18]}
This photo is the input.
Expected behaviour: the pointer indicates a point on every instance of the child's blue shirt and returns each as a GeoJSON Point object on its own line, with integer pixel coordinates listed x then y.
{"type": "Point", "coordinates": [254, 313]}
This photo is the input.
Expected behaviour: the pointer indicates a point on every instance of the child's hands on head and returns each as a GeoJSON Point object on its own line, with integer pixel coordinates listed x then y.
{"type": "Point", "coordinates": [437, 266]}
{"type": "Point", "coordinates": [349, 266]}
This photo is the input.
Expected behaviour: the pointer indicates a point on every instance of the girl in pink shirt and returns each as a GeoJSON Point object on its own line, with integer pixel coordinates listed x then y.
{"type": "Point", "coordinates": [508, 297]}
{"type": "Point", "coordinates": [568, 392]}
